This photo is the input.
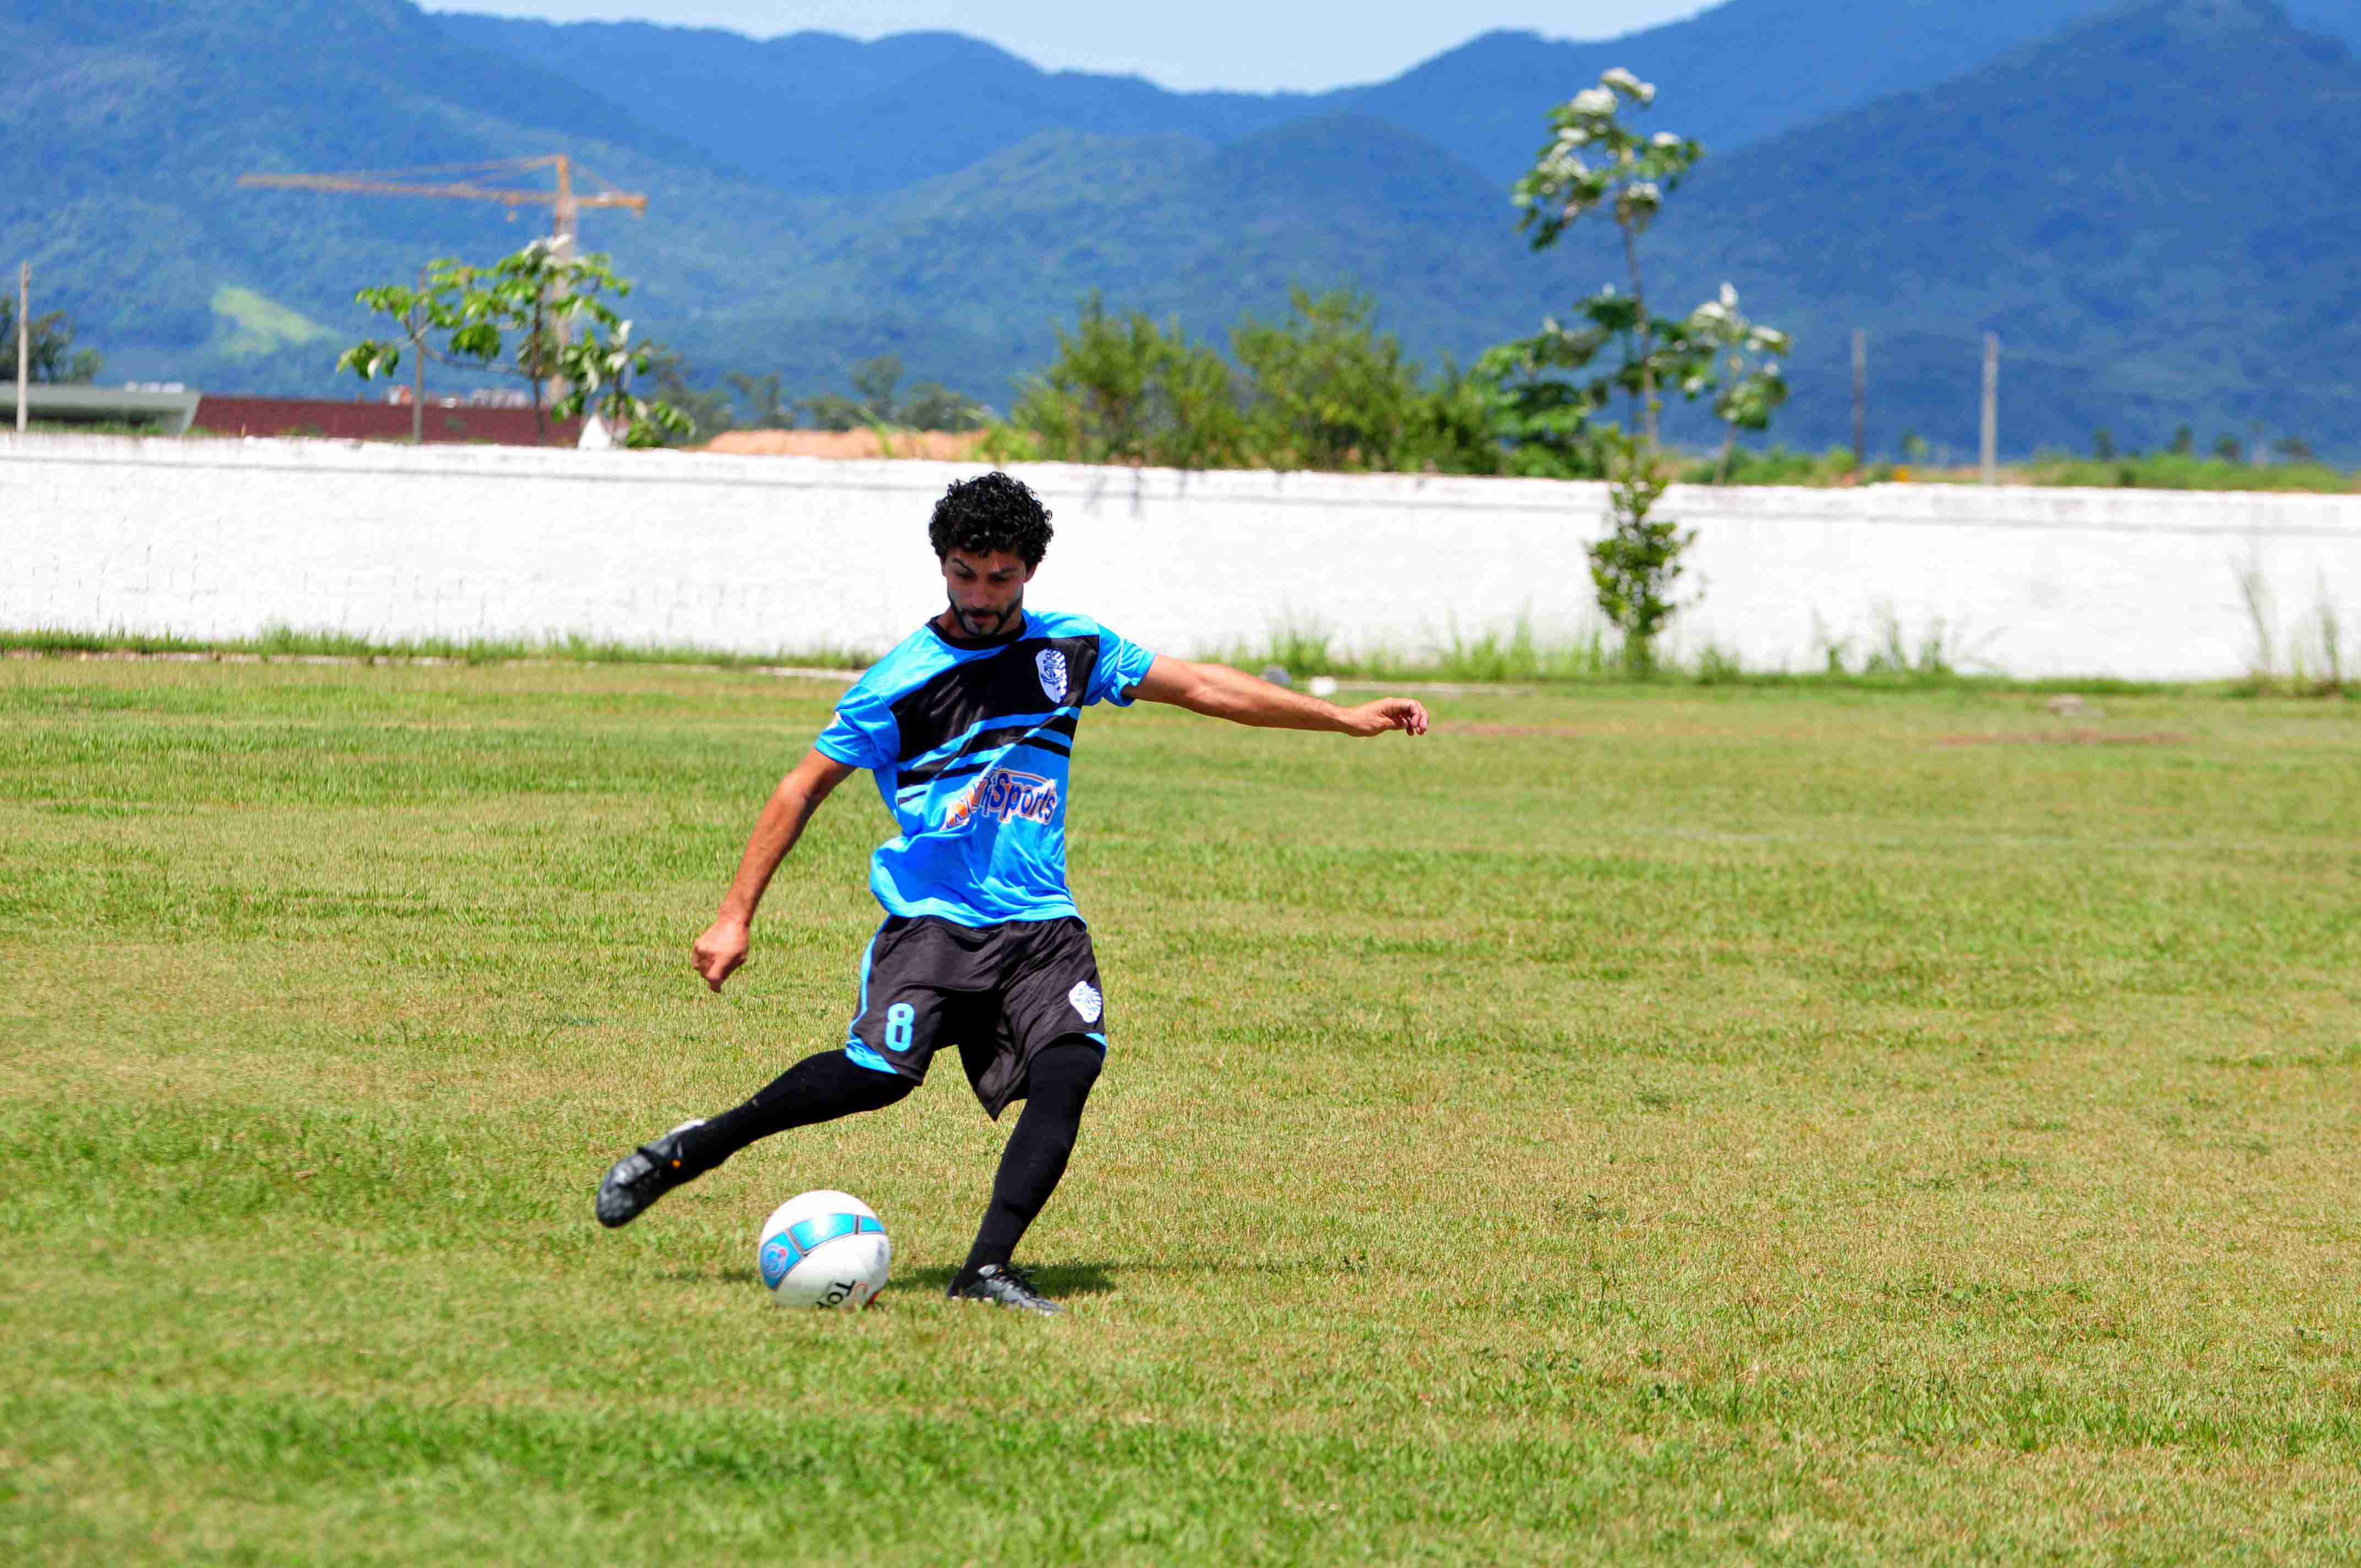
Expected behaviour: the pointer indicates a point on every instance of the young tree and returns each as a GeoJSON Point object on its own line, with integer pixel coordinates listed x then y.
{"type": "Point", "coordinates": [599, 368]}
{"type": "Point", "coordinates": [1597, 163]}
{"type": "Point", "coordinates": [1550, 390]}
{"type": "Point", "coordinates": [418, 312]}
{"type": "Point", "coordinates": [52, 357]}
{"type": "Point", "coordinates": [530, 314]}
{"type": "Point", "coordinates": [1744, 374]}
{"type": "Point", "coordinates": [1632, 570]}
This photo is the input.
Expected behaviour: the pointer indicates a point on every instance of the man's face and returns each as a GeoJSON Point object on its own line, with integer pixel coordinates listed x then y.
{"type": "Point", "coordinates": [987, 592]}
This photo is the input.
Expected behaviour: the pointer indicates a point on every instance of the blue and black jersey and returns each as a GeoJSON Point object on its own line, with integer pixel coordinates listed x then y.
{"type": "Point", "coordinates": [970, 744]}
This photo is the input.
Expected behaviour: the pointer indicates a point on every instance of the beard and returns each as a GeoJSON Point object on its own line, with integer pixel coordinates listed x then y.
{"type": "Point", "coordinates": [983, 624]}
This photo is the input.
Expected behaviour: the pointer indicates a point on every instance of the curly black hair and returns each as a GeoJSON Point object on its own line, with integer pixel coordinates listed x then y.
{"type": "Point", "coordinates": [991, 512]}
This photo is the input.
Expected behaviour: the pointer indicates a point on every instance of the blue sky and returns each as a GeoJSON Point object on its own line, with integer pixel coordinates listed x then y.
{"type": "Point", "coordinates": [1248, 44]}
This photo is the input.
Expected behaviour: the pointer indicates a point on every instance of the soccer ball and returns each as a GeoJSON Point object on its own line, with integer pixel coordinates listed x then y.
{"type": "Point", "coordinates": [823, 1249]}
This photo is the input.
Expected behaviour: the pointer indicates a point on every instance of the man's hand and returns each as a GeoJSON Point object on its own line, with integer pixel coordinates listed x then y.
{"type": "Point", "coordinates": [721, 950]}
{"type": "Point", "coordinates": [1386, 713]}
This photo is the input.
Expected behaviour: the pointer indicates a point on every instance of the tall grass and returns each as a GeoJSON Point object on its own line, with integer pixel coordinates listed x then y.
{"type": "Point", "coordinates": [281, 641]}
{"type": "Point", "coordinates": [2310, 662]}
{"type": "Point", "coordinates": [1891, 656]}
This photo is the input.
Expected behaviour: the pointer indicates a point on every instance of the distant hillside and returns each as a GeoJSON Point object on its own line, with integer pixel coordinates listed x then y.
{"type": "Point", "coordinates": [1733, 76]}
{"type": "Point", "coordinates": [817, 113]}
{"type": "Point", "coordinates": [2154, 207]}
{"type": "Point", "coordinates": [125, 125]}
{"type": "Point", "coordinates": [985, 260]}
{"type": "Point", "coordinates": [2067, 196]}
{"type": "Point", "coordinates": [2158, 210]}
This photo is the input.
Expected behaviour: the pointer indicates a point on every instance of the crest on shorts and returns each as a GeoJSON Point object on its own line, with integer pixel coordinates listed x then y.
{"type": "Point", "coordinates": [1085, 998]}
{"type": "Point", "coordinates": [1051, 667]}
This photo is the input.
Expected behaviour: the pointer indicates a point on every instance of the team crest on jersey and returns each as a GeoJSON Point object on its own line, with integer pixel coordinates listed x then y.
{"type": "Point", "coordinates": [1006, 795]}
{"type": "Point", "coordinates": [1086, 1000]}
{"type": "Point", "coordinates": [1051, 667]}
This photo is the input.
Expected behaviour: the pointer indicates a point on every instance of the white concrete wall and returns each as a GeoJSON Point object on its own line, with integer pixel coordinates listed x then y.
{"type": "Point", "coordinates": [221, 538]}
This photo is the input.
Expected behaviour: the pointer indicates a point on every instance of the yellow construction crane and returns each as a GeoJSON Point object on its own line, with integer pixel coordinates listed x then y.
{"type": "Point", "coordinates": [466, 182]}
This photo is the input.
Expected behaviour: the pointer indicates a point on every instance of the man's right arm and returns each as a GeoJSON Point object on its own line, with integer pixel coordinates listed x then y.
{"type": "Point", "coordinates": [723, 947]}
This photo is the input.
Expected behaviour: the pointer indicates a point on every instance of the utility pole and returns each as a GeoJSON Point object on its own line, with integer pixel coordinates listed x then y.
{"type": "Point", "coordinates": [566, 216]}
{"type": "Point", "coordinates": [24, 346]}
{"type": "Point", "coordinates": [418, 372]}
{"type": "Point", "coordinates": [1992, 408]}
{"type": "Point", "coordinates": [1859, 397]}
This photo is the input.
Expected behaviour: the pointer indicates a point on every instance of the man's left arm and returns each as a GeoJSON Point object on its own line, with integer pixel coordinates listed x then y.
{"type": "Point", "coordinates": [1219, 692]}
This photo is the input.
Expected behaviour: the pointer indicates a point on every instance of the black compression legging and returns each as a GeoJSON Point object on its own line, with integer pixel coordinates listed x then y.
{"type": "Point", "coordinates": [817, 1088]}
{"type": "Point", "coordinates": [824, 1087]}
{"type": "Point", "coordinates": [1055, 1088]}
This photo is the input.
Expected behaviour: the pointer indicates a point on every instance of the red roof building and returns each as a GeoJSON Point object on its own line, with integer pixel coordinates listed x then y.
{"type": "Point", "coordinates": [444, 422]}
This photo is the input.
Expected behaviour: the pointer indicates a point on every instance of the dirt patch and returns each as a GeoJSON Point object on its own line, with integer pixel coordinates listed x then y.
{"type": "Point", "coordinates": [2069, 738]}
{"type": "Point", "coordinates": [935, 445]}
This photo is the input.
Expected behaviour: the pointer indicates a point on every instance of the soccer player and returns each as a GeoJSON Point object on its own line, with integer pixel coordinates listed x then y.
{"type": "Point", "coordinates": [967, 727]}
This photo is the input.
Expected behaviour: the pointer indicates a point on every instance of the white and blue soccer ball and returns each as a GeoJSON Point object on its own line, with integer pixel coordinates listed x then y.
{"type": "Point", "coordinates": [824, 1249]}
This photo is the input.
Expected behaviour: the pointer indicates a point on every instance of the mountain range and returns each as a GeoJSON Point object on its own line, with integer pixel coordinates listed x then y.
{"type": "Point", "coordinates": [2155, 204]}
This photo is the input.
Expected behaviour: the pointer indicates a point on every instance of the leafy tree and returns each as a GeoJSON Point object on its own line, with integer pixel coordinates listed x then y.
{"type": "Point", "coordinates": [530, 314]}
{"type": "Point", "coordinates": [599, 368]}
{"type": "Point", "coordinates": [1741, 369]}
{"type": "Point", "coordinates": [2102, 445]}
{"type": "Point", "coordinates": [1453, 425]}
{"type": "Point", "coordinates": [2184, 443]}
{"type": "Point", "coordinates": [708, 413]}
{"type": "Point", "coordinates": [833, 411]}
{"type": "Point", "coordinates": [1091, 404]}
{"type": "Point", "coordinates": [1551, 387]}
{"type": "Point", "coordinates": [1632, 570]}
{"type": "Point", "coordinates": [1540, 415]}
{"type": "Point", "coordinates": [874, 380]}
{"type": "Point", "coordinates": [1330, 391]}
{"type": "Point", "coordinates": [933, 406]}
{"type": "Point", "coordinates": [51, 355]}
{"type": "Point", "coordinates": [1597, 163]}
{"type": "Point", "coordinates": [1124, 390]}
{"type": "Point", "coordinates": [765, 409]}
{"type": "Point", "coordinates": [1320, 389]}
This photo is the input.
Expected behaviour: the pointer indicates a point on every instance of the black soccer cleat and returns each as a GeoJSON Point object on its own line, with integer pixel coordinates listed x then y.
{"type": "Point", "coordinates": [1002, 1285]}
{"type": "Point", "coordinates": [641, 1177]}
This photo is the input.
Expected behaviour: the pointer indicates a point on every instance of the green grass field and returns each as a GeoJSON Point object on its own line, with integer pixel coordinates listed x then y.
{"type": "Point", "coordinates": [1686, 1123]}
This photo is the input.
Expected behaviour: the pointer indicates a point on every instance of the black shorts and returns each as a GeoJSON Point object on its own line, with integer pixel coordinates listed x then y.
{"type": "Point", "coordinates": [1000, 993]}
